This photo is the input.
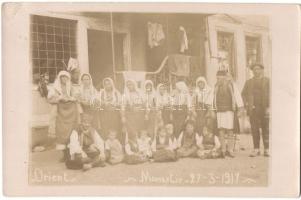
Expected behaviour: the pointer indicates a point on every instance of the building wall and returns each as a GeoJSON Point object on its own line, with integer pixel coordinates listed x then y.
{"type": "Point", "coordinates": [240, 30]}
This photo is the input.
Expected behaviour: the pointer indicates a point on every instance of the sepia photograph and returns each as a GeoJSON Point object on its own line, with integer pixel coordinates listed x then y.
{"type": "Point", "coordinates": [147, 97]}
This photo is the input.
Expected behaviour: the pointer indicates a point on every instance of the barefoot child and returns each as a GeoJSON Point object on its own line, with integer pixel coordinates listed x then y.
{"type": "Point", "coordinates": [86, 148]}
{"type": "Point", "coordinates": [114, 148]}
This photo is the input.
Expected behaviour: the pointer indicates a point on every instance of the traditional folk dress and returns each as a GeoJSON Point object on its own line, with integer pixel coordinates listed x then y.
{"type": "Point", "coordinates": [163, 105]}
{"type": "Point", "coordinates": [66, 111]}
{"type": "Point", "coordinates": [150, 104]}
{"type": "Point", "coordinates": [187, 144]}
{"type": "Point", "coordinates": [133, 110]}
{"type": "Point", "coordinates": [226, 101]}
{"type": "Point", "coordinates": [114, 150]}
{"type": "Point", "coordinates": [202, 102]}
{"type": "Point", "coordinates": [132, 153]}
{"type": "Point", "coordinates": [163, 149]}
{"type": "Point", "coordinates": [209, 146]}
{"type": "Point", "coordinates": [181, 106]}
{"type": "Point", "coordinates": [144, 146]}
{"type": "Point", "coordinates": [85, 147]}
{"type": "Point", "coordinates": [110, 108]}
{"type": "Point", "coordinates": [87, 97]}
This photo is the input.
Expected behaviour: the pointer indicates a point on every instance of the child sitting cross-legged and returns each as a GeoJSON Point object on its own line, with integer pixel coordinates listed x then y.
{"type": "Point", "coordinates": [187, 141]}
{"type": "Point", "coordinates": [162, 146]}
{"type": "Point", "coordinates": [132, 153]}
{"type": "Point", "coordinates": [208, 143]}
{"type": "Point", "coordinates": [144, 144]}
{"type": "Point", "coordinates": [86, 148]}
{"type": "Point", "coordinates": [170, 133]}
{"type": "Point", "coordinates": [114, 149]}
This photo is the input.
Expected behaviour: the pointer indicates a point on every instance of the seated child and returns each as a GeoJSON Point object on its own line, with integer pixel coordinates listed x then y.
{"type": "Point", "coordinates": [86, 148]}
{"type": "Point", "coordinates": [144, 144]}
{"type": "Point", "coordinates": [163, 150]}
{"type": "Point", "coordinates": [187, 141]}
{"type": "Point", "coordinates": [132, 153]}
{"type": "Point", "coordinates": [209, 145]}
{"type": "Point", "coordinates": [114, 149]}
{"type": "Point", "coordinates": [170, 133]}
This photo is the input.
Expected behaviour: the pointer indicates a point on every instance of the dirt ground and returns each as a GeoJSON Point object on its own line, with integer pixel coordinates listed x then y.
{"type": "Point", "coordinates": [45, 169]}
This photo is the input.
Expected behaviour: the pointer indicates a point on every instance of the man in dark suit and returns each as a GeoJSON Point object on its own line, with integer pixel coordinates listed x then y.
{"type": "Point", "coordinates": [256, 97]}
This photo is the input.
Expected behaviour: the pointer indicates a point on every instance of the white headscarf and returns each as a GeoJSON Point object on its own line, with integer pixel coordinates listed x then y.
{"type": "Point", "coordinates": [58, 85]}
{"type": "Point", "coordinates": [205, 95]}
{"type": "Point", "coordinates": [114, 90]}
{"type": "Point", "coordinates": [127, 93]}
{"type": "Point", "coordinates": [181, 85]}
{"type": "Point", "coordinates": [87, 92]}
{"type": "Point", "coordinates": [161, 99]}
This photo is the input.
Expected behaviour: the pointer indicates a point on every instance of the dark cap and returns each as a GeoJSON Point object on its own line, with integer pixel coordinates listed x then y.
{"type": "Point", "coordinates": [221, 73]}
{"type": "Point", "coordinates": [256, 65]}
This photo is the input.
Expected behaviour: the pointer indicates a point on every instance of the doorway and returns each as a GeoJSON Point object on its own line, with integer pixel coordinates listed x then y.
{"type": "Point", "coordinates": [101, 56]}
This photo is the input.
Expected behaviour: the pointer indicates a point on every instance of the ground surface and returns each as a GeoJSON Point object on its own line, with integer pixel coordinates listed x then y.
{"type": "Point", "coordinates": [242, 170]}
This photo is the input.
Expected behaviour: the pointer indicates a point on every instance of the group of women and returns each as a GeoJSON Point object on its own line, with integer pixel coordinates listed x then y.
{"type": "Point", "coordinates": [133, 110]}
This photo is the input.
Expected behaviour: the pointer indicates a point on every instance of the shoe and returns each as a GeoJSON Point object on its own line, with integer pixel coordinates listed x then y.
{"type": "Point", "coordinates": [255, 153]}
{"type": "Point", "coordinates": [86, 167]}
{"type": "Point", "coordinates": [266, 153]}
{"type": "Point", "coordinates": [229, 154]}
{"type": "Point", "coordinates": [222, 155]}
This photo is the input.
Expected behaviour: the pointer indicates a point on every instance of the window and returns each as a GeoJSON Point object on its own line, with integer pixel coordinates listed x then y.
{"type": "Point", "coordinates": [53, 42]}
{"type": "Point", "coordinates": [253, 50]}
{"type": "Point", "coordinates": [226, 52]}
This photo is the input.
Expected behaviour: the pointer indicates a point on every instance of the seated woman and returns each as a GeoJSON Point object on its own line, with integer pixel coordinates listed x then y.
{"type": "Point", "coordinates": [209, 144]}
{"type": "Point", "coordinates": [114, 149]}
{"type": "Point", "coordinates": [163, 149]}
{"type": "Point", "coordinates": [187, 141]}
{"type": "Point", "coordinates": [86, 148]}
{"type": "Point", "coordinates": [132, 154]}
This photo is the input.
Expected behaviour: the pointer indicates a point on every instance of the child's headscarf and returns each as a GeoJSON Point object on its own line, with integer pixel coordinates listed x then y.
{"type": "Point", "coordinates": [181, 85]}
{"type": "Point", "coordinates": [57, 83]}
{"type": "Point", "coordinates": [114, 90]}
{"type": "Point", "coordinates": [90, 91]}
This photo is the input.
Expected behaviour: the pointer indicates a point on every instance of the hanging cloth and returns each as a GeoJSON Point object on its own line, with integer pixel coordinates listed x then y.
{"type": "Point", "coordinates": [155, 34]}
{"type": "Point", "coordinates": [184, 39]}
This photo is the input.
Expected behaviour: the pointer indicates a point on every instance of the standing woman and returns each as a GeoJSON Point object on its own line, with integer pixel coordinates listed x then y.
{"type": "Point", "coordinates": [202, 102]}
{"type": "Point", "coordinates": [150, 104]}
{"type": "Point", "coordinates": [62, 95]}
{"type": "Point", "coordinates": [88, 95]}
{"type": "Point", "coordinates": [181, 106]}
{"type": "Point", "coordinates": [110, 104]}
{"type": "Point", "coordinates": [133, 108]}
{"type": "Point", "coordinates": [163, 104]}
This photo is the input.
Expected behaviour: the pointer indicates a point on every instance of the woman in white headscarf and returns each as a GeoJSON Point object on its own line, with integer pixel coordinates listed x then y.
{"type": "Point", "coordinates": [163, 104]}
{"type": "Point", "coordinates": [149, 99]}
{"type": "Point", "coordinates": [181, 106]}
{"type": "Point", "coordinates": [110, 104]}
{"type": "Point", "coordinates": [87, 97]}
{"type": "Point", "coordinates": [67, 117]}
{"type": "Point", "coordinates": [201, 102]}
{"type": "Point", "coordinates": [133, 108]}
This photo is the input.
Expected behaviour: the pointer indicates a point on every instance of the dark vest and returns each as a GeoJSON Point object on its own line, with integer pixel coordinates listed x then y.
{"type": "Point", "coordinates": [223, 98]}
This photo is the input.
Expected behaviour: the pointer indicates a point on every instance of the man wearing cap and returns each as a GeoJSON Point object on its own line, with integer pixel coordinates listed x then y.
{"type": "Point", "coordinates": [86, 147]}
{"type": "Point", "coordinates": [256, 97]}
{"type": "Point", "coordinates": [226, 101]}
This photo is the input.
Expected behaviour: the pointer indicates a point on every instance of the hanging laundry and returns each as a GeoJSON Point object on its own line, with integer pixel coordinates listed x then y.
{"type": "Point", "coordinates": [155, 34]}
{"type": "Point", "coordinates": [179, 65]}
{"type": "Point", "coordinates": [184, 39]}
